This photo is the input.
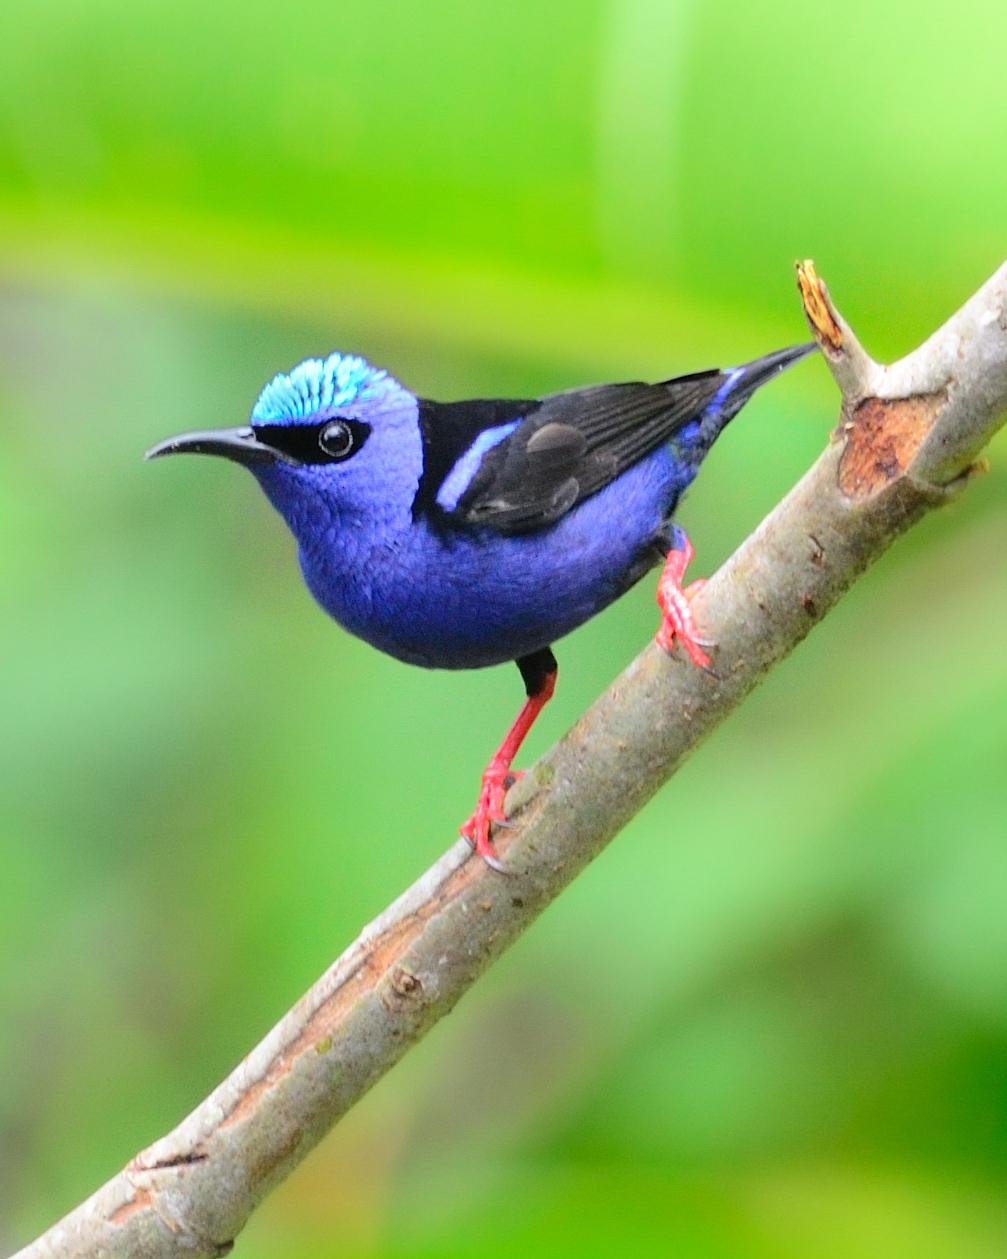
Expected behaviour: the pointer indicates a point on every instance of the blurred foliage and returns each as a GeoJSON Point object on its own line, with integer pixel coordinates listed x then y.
{"type": "Point", "coordinates": [772, 1020]}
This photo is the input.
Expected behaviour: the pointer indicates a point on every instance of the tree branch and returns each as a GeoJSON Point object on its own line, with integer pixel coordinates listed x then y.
{"type": "Point", "coordinates": [906, 442]}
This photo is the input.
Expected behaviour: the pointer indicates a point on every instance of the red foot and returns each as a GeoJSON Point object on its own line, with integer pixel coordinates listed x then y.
{"type": "Point", "coordinates": [495, 782]}
{"type": "Point", "coordinates": [674, 601]}
{"type": "Point", "coordinates": [498, 776]}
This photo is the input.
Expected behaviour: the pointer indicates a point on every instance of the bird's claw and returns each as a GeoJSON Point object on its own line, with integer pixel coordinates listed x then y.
{"type": "Point", "coordinates": [675, 602]}
{"type": "Point", "coordinates": [488, 855]}
{"type": "Point", "coordinates": [489, 812]}
{"type": "Point", "coordinates": [498, 775]}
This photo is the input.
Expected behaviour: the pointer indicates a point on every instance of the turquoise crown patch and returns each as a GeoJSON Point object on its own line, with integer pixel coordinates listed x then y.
{"type": "Point", "coordinates": [316, 383]}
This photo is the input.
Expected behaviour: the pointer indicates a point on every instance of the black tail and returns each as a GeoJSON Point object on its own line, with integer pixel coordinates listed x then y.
{"type": "Point", "coordinates": [737, 384]}
{"type": "Point", "coordinates": [743, 381]}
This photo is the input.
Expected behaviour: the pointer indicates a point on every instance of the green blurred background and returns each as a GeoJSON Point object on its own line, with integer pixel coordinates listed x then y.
{"type": "Point", "coordinates": [771, 1021]}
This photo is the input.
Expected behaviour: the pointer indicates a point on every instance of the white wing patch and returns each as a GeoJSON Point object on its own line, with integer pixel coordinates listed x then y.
{"type": "Point", "coordinates": [460, 477]}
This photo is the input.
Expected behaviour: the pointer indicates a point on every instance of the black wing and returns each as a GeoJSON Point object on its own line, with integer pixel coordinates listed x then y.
{"type": "Point", "coordinates": [448, 430]}
{"type": "Point", "coordinates": [564, 447]}
{"type": "Point", "coordinates": [574, 444]}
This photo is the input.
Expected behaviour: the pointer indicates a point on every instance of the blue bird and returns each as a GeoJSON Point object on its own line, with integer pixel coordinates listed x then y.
{"type": "Point", "coordinates": [456, 535]}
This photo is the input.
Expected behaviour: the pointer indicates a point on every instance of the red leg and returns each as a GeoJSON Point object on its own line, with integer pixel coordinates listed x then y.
{"type": "Point", "coordinates": [673, 599]}
{"type": "Point", "coordinates": [498, 775]}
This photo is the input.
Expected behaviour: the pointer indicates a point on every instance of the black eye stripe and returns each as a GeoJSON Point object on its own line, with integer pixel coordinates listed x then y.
{"type": "Point", "coordinates": [302, 441]}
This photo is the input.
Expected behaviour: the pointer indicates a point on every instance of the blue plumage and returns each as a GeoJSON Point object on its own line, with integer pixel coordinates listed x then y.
{"type": "Point", "coordinates": [451, 598]}
{"type": "Point", "coordinates": [460, 535]}
{"type": "Point", "coordinates": [339, 380]}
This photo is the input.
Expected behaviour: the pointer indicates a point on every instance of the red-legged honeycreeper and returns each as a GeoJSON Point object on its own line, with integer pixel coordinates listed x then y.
{"type": "Point", "coordinates": [455, 535]}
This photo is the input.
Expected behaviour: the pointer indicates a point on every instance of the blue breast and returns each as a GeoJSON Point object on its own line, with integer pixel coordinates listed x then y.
{"type": "Point", "coordinates": [458, 600]}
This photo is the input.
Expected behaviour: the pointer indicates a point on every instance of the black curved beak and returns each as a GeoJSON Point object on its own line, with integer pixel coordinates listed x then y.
{"type": "Point", "coordinates": [238, 444]}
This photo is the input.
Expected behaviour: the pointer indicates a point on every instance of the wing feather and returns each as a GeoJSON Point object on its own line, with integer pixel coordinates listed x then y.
{"type": "Point", "coordinates": [566, 446]}
{"type": "Point", "coordinates": [573, 445]}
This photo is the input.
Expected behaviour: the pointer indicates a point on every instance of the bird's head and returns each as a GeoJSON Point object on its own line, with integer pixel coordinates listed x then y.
{"type": "Point", "coordinates": [334, 435]}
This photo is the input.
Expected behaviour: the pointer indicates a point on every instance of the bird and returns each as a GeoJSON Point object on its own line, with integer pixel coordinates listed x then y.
{"type": "Point", "coordinates": [459, 535]}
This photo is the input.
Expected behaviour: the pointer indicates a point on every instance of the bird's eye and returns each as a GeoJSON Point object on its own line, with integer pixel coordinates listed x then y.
{"type": "Point", "coordinates": [336, 439]}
